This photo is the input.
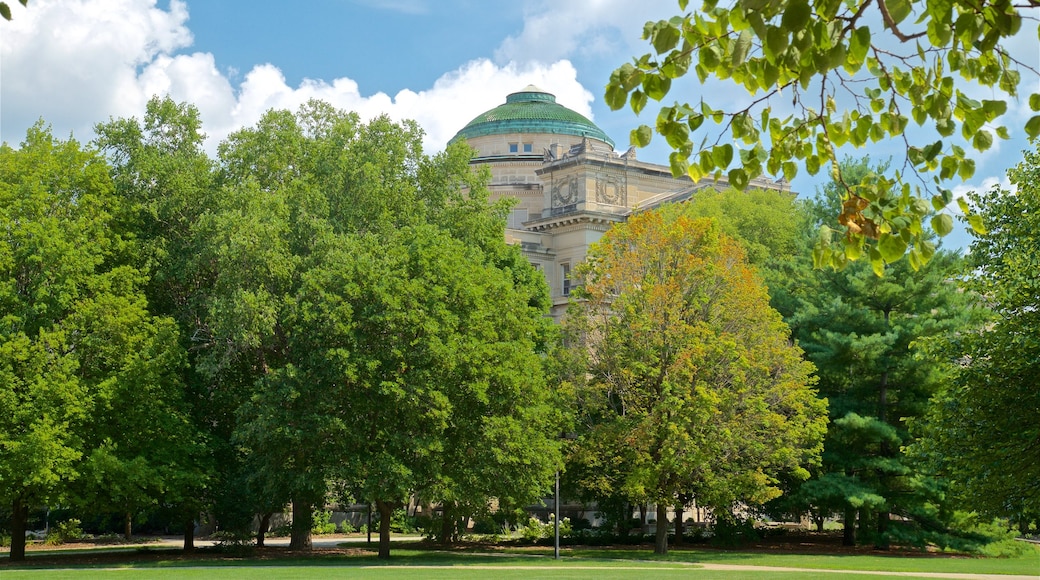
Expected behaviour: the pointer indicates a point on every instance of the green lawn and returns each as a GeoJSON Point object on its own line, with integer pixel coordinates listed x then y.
{"type": "Point", "coordinates": [597, 564]}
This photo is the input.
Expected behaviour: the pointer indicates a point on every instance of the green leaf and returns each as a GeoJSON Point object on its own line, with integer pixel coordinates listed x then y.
{"type": "Point", "coordinates": [741, 48]}
{"type": "Point", "coordinates": [983, 140]}
{"type": "Point", "coordinates": [853, 249]}
{"type": "Point", "coordinates": [678, 163]}
{"type": "Point", "coordinates": [666, 37]}
{"type": "Point", "coordinates": [975, 221]}
{"type": "Point", "coordinates": [638, 101]}
{"type": "Point", "coordinates": [641, 136]}
{"type": "Point", "coordinates": [656, 86]}
{"type": "Point", "coordinates": [1033, 127]}
{"type": "Point", "coordinates": [942, 224]}
{"type": "Point", "coordinates": [5, 11]}
{"type": "Point", "coordinates": [722, 155]}
{"type": "Point", "coordinates": [892, 247]}
{"type": "Point", "coordinates": [738, 178]}
{"type": "Point", "coordinates": [615, 97]}
{"type": "Point", "coordinates": [859, 44]}
{"type": "Point", "coordinates": [898, 9]}
{"type": "Point", "coordinates": [796, 16]}
{"type": "Point", "coordinates": [1034, 102]}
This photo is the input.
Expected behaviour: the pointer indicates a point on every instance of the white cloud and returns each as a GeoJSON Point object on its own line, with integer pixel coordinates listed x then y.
{"type": "Point", "coordinates": [75, 62]}
{"type": "Point", "coordinates": [79, 62]}
{"type": "Point", "coordinates": [554, 30]}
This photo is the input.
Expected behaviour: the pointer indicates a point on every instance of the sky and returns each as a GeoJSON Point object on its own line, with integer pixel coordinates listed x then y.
{"type": "Point", "coordinates": [75, 63]}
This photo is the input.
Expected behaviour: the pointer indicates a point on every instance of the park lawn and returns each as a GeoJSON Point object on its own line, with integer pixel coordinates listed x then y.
{"type": "Point", "coordinates": [385, 573]}
{"type": "Point", "coordinates": [597, 564]}
{"type": "Point", "coordinates": [1028, 565]}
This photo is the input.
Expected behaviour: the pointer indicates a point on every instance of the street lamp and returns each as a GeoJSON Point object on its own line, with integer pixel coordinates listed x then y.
{"type": "Point", "coordinates": [556, 520]}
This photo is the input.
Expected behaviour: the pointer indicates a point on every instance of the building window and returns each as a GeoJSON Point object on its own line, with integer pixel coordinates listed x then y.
{"type": "Point", "coordinates": [517, 217]}
{"type": "Point", "coordinates": [514, 147]}
{"type": "Point", "coordinates": [565, 272]}
{"type": "Point", "coordinates": [528, 147]}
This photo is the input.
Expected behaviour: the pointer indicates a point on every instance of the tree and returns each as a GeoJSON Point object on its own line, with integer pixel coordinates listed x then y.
{"type": "Point", "coordinates": [167, 183]}
{"type": "Point", "coordinates": [75, 328]}
{"type": "Point", "coordinates": [855, 73]}
{"type": "Point", "coordinates": [983, 428]}
{"type": "Point", "coordinates": [688, 372]}
{"type": "Point", "coordinates": [864, 334]}
{"type": "Point", "coordinates": [387, 334]}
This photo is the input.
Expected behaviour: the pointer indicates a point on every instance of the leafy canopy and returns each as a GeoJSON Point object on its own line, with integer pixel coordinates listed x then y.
{"type": "Point", "coordinates": [688, 385]}
{"type": "Point", "coordinates": [982, 429]}
{"type": "Point", "coordinates": [826, 74]}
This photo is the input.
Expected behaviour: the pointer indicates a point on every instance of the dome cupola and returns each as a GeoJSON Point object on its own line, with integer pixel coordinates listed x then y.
{"type": "Point", "coordinates": [532, 111]}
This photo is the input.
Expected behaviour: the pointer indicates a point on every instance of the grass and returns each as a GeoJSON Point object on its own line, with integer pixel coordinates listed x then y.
{"type": "Point", "coordinates": [599, 564]}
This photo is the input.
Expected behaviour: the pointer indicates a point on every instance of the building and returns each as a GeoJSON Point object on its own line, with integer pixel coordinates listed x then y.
{"type": "Point", "coordinates": [569, 182]}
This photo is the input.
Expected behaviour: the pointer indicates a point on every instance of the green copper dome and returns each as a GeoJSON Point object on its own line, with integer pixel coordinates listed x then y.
{"type": "Point", "coordinates": [531, 110]}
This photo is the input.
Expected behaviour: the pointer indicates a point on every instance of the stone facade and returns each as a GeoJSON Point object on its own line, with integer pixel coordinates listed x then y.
{"type": "Point", "coordinates": [569, 183]}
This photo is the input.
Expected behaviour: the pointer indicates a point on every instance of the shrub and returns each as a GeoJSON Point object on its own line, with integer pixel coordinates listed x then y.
{"type": "Point", "coordinates": [66, 531]}
{"type": "Point", "coordinates": [345, 527]}
{"type": "Point", "coordinates": [401, 522]}
{"type": "Point", "coordinates": [281, 531]}
{"type": "Point", "coordinates": [322, 524]}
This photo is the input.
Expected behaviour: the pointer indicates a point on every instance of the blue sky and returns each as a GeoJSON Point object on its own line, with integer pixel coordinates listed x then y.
{"type": "Point", "coordinates": [440, 62]}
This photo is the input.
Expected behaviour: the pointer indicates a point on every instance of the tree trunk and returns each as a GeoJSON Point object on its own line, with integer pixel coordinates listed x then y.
{"type": "Point", "coordinates": [642, 517]}
{"type": "Point", "coordinates": [661, 538]}
{"type": "Point", "coordinates": [19, 517]}
{"type": "Point", "coordinates": [128, 526]}
{"type": "Point", "coordinates": [679, 524]}
{"type": "Point", "coordinates": [302, 514]}
{"type": "Point", "coordinates": [447, 523]}
{"type": "Point", "coordinates": [261, 532]}
{"type": "Point", "coordinates": [624, 519]}
{"type": "Point", "coordinates": [848, 536]}
{"type": "Point", "coordinates": [189, 535]}
{"type": "Point", "coordinates": [385, 512]}
{"type": "Point", "coordinates": [881, 541]}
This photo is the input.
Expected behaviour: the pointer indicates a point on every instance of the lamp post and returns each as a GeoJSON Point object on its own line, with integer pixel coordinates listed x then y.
{"type": "Point", "coordinates": [556, 520]}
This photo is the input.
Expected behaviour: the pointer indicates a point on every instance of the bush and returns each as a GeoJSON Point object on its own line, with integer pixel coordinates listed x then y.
{"type": "Point", "coordinates": [401, 522]}
{"type": "Point", "coordinates": [486, 526]}
{"type": "Point", "coordinates": [322, 524]}
{"type": "Point", "coordinates": [66, 531]}
{"type": "Point", "coordinates": [345, 527]}
{"type": "Point", "coordinates": [281, 531]}
{"type": "Point", "coordinates": [535, 530]}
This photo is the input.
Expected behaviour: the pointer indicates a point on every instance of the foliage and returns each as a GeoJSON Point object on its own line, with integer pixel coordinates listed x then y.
{"type": "Point", "coordinates": [321, 523]}
{"type": "Point", "coordinates": [767, 222]}
{"type": "Point", "coordinates": [535, 529]}
{"type": "Point", "coordinates": [854, 73]}
{"type": "Point", "coordinates": [167, 184]}
{"type": "Point", "coordinates": [867, 336]}
{"type": "Point", "coordinates": [5, 10]}
{"type": "Point", "coordinates": [75, 330]}
{"type": "Point", "coordinates": [688, 383]}
{"type": "Point", "coordinates": [982, 429]}
{"type": "Point", "coordinates": [65, 531]}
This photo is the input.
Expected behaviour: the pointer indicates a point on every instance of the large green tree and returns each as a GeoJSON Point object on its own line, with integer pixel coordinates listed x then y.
{"type": "Point", "coordinates": [167, 183]}
{"type": "Point", "coordinates": [690, 385]}
{"type": "Point", "coordinates": [862, 332]}
{"type": "Point", "coordinates": [389, 337]}
{"type": "Point", "coordinates": [821, 75]}
{"type": "Point", "coordinates": [983, 429]}
{"type": "Point", "coordinates": [75, 332]}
